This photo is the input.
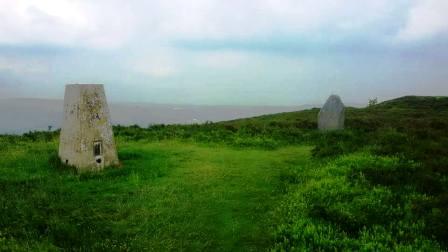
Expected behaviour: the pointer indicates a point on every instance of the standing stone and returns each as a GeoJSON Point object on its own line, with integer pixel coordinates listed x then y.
{"type": "Point", "coordinates": [87, 140]}
{"type": "Point", "coordinates": [331, 115]}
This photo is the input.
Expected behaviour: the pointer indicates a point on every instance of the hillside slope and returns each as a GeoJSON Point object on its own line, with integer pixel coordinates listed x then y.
{"type": "Point", "coordinates": [272, 181]}
{"type": "Point", "coordinates": [412, 111]}
{"type": "Point", "coordinates": [417, 102]}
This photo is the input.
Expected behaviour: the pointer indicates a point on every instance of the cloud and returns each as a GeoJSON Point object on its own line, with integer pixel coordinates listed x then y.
{"type": "Point", "coordinates": [170, 63]}
{"type": "Point", "coordinates": [155, 70]}
{"type": "Point", "coordinates": [213, 19]}
{"type": "Point", "coordinates": [156, 64]}
{"type": "Point", "coordinates": [64, 22]}
{"type": "Point", "coordinates": [23, 66]}
{"type": "Point", "coordinates": [114, 23]}
{"type": "Point", "coordinates": [223, 59]}
{"type": "Point", "coordinates": [427, 18]}
{"type": "Point", "coordinates": [214, 51]}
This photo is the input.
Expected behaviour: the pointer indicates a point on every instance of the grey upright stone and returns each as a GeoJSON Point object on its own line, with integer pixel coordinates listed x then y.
{"type": "Point", "coordinates": [331, 115]}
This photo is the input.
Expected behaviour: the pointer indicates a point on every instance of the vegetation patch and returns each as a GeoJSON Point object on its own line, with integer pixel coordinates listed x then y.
{"type": "Point", "coordinates": [270, 182]}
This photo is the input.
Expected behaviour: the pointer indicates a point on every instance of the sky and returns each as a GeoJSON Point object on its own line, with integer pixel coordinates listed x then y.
{"type": "Point", "coordinates": [225, 52]}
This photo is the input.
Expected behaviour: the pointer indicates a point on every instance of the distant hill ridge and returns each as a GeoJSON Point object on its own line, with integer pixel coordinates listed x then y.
{"type": "Point", "coordinates": [385, 113]}
{"type": "Point", "coordinates": [416, 102]}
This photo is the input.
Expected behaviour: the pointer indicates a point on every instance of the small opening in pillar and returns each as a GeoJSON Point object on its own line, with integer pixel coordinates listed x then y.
{"type": "Point", "coordinates": [97, 148]}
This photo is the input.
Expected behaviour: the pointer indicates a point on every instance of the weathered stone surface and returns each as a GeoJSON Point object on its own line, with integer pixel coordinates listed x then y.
{"type": "Point", "coordinates": [332, 114]}
{"type": "Point", "coordinates": [87, 140]}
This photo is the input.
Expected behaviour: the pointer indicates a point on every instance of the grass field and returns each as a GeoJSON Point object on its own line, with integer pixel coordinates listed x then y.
{"type": "Point", "coordinates": [267, 183]}
{"type": "Point", "coordinates": [166, 196]}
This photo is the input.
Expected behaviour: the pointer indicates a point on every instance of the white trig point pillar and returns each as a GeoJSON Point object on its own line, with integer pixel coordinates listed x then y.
{"type": "Point", "coordinates": [87, 140]}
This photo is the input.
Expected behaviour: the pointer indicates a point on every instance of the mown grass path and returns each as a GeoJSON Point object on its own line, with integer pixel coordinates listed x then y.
{"type": "Point", "coordinates": [167, 196]}
{"type": "Point", "coordinates": [213, 197]}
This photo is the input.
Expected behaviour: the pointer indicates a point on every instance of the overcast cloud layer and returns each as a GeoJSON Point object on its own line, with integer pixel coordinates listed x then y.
{"type": "Point", "coordinates": [254, 52]}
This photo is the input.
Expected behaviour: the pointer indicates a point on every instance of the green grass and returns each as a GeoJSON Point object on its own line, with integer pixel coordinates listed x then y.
{"type": "Point", "coordinates": [340, 206]}
{"type": "Point", "coordinates": [266, 183]}
{"type": "Point", "coordinates": [166, 196]}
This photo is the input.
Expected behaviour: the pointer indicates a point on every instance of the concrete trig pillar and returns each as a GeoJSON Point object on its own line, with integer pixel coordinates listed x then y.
{"type": "Point", "coordinates": [87, 140]}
